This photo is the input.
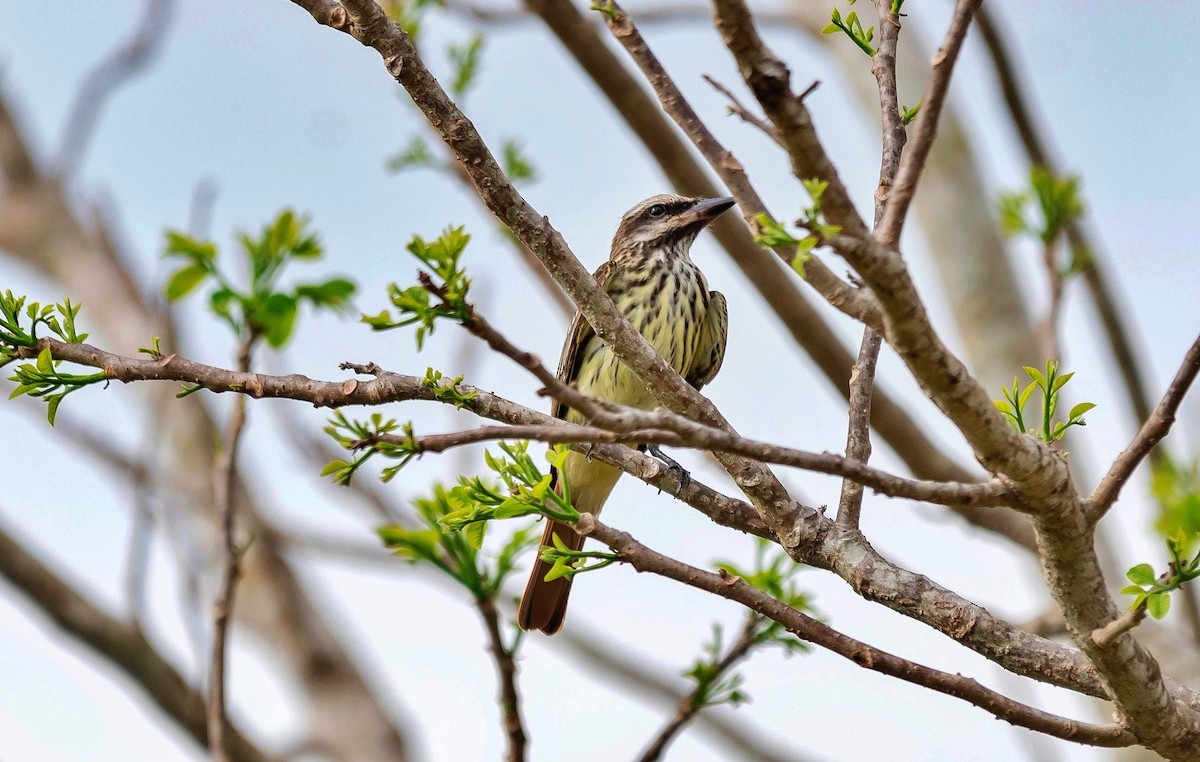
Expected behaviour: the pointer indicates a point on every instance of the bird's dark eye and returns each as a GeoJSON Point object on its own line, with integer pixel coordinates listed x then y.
{"type": "Point", "coordinates": [658, 210]}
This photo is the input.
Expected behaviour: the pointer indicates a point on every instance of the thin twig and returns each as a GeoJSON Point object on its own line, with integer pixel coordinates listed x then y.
{"type": "Point", "coordinates": [820, 634]}
{"type": "Point", "coordinates": [925, 127]}
{"type": "Point", "coordinates": [506, 669]}
{"type": "Point", "coordinates": [746, 115]}
{"type": "Point", "coordinates": [858, 434]}
{"type": "Point", "coordinates": [609, 661]}
{"type": "Point", "coordinates": [691, 704]}
{"type": "Point", "coordinates": [223, 470]}
{"type": "Point", "coordinates": [122, 644]}
{"type": "Point", "coordinates": [657, 427]}
{"type": "Point", "coordinates": [1107, 635]}
{"type": "Point", "coordinates": [862, 378]}
{"type": "Point", "coordinates": [116, 69]}
{"type": "Point", "coordinates": [1155, 428]}
{"type": "Point", "coordinates": [1049, 327]}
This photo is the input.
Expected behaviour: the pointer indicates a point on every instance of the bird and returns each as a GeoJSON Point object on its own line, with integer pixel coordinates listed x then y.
{"type": "Point", "coordinates": [653, 281]}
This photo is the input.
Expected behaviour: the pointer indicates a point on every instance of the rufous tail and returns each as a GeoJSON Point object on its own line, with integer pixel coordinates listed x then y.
{"type": "Point", "coordinates": [544, 605]}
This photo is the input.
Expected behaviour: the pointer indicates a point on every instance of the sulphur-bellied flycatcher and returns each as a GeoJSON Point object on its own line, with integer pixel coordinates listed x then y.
{"type": "Point", "coordinates": [663, 294]}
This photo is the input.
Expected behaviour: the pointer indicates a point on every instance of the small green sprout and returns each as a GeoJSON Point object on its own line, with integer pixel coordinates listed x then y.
{"type": "Point", "coordinates": [1050, 383]}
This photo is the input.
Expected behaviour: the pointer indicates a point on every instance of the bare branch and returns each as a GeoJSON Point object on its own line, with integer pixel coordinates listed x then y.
{"type": "Point", "coordinates": [224, 466]}
{"type": "Point", "coordinates": [1105, 636]}
{"type": "Point", "coordinates": [124, 63]}
{"type": "Point", "coordinates": [1155, 428]}
{"type": "Point", "coordinates": [927, 121]}
{"type": "Point", "coordinates": [883, 66]}
{"type": "Point", "coordinates": [858, 435]}
{"type": "Point", "coordinates": [813, 631]}
{"type": "Point", "coordinates": [506, 669]}
{"type": "Point", "coordinates": [741, 112]}
{"type": "Point", "coordinates": [630, 425]}
{"type": "Point", "coordinates": [122, 644]}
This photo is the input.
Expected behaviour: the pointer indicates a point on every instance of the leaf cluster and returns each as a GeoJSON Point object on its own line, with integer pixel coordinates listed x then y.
{"type": "Point", "coordinates": [772, 233]}
{"type": "Point", "coordinates": [523, 491]}
{"type": "Point", "coordinates": [1177, 489]}
{"type": "Point", "coordinates": [453, 553]}
{"type": "Point", "coordinates": [14, 333]}
{"type": "Point", "coordinates": [1153, 591]}
{"type": "Point", "coordinates": [715, 684]}
{"type": "Point", "coordinates": [356, 435]}
{"type": "Point", "coordinates": [1050, 383]}
{"type": "Point", "coordinates": [19, 322]}
{"type": "Point", "coordinates": [853, 28]}
{"type": "Point", "coordinates": [1056, 199]}
{"type": "Point", "coordinates": [418, 305]}
{"type": "Point", "coordinates": [261, 307]}
{"type": "Point", "coordinates": [774, 574]}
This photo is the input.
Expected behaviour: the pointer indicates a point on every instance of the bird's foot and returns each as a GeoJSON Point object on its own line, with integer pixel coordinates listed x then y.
{"type": "Point", "coordinates": [681, 474]}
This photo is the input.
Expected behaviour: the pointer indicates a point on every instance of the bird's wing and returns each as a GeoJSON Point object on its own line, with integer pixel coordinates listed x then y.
{"type": "Point", "coordinates": [711, 352]}
{"type": "Point", "coordinates": [577, 338]}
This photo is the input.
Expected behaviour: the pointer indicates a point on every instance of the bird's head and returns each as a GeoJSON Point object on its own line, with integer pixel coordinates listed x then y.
{"type": "Point", "coordinates": [666, 222]}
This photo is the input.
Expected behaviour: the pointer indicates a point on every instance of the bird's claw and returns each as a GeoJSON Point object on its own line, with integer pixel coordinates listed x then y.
{"type": "Point", "coordinates": [683, 478]}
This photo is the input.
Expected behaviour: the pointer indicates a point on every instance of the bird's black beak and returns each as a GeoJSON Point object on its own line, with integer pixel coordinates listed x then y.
{"type": "Point", "coordinates": [704, 211]}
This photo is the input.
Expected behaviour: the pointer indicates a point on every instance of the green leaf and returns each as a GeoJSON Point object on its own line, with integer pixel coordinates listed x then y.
{"type": "Point", "coordinates": [466, 64]}
{"type": "Point", "coordinates": [19, 390]}
{"type": "Point", "coordinates": [1142, 574]}
{"type": "Point", "coordinates": [1036, 375]}
{"type": "Point", "coordinates": [45, 362]}
{"type": "Point", "coordinates": [1132, 590]}
{"type": "Point", "coordinates": [184, 281]}
{"type": "Point", "coordinates": [1026, 393]}
{"type": "Point", "coordinates": [831, 29]}
{"type": "Point", "coordinates": [182, 245]}
{"type": "Point", "coordinates": [474, 533]}
{"type": "Point", "coordinates": [333, 294]}
{"type": "Point", "coordinates": [334, 466]}
{"type": "Point", "coordinates": [1062, 380]}
{"type": "Point", "coordinates": [52, 404]}
{"type": "Point", "coordinates": [1080, 409]}
{"type": "Point", "coordinates": [1158, 604]}
{"type": "Point", "coordinates": [277, 318]}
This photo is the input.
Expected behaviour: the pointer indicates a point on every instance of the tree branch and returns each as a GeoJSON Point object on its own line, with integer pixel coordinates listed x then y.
{"type": "Point", "coordinates": [122, 644]}
{"type": "Point", "coordinates": [890, 419]}
{"type": "Point", "coordinates": [506, 670]}
{"type": "Point", "coordinates": [691, 704]}
{"type": "Point", "coordinates": [121, 65]}
{"type": "Point", "coordinates": [1154, 429]}
{"type": "Point", "coordinates": [813, 631]}
{"type": "Point", "coordinates": [927, 121]}
{"type": "Point", "coordinates": [366, 22]}
{"type": "Point", "coordinates": [224, 466]}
